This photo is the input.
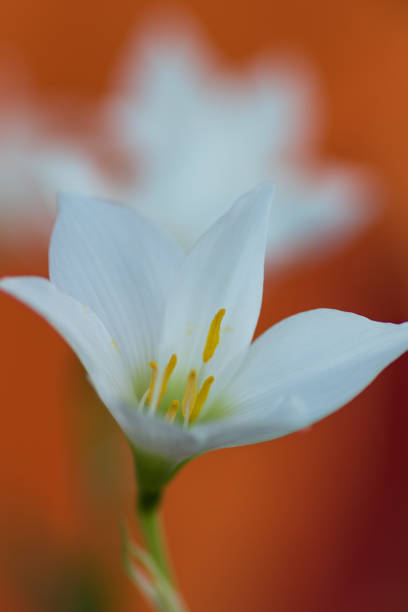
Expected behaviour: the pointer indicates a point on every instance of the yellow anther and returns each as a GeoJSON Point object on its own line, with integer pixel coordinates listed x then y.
{"type": "Point", "coordinates": [153, 379]}
{"type": "Point", "coordinates": [189, 395]}
{"type": "Point", "coordinates": [172, 411]}
{"type": "Point", "coordinates": [213, 336]}
{"type": "Point", "coordinates": [166, 377]}
{"type": "Point", "coordinates": [201, 398]}
{"type": "Point", "coordinates": [115, 346]}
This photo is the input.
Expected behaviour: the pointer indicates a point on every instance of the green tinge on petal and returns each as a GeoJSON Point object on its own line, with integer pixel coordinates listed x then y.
{"type": "Point", "coordinates": [213, 409]}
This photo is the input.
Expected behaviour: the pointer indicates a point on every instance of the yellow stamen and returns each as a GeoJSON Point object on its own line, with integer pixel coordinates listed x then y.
{"type": "Point", "coordinates": [201, 398]}
{"type": "Point", "coordinates": [166, 377]}
{"type": "Point", "coordinates": [213, 336]}
{"type": "Point", "coordinates": [189, 394]}
{"type": "Point", "coordinates": [172, 411]}
{"type": "Point", "coordinates": [153, 379]}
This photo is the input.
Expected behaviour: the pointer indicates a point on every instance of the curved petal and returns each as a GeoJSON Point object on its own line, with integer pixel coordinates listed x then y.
{"type": "Point", "coordinates": [301, 370]}
{"type": "Point", "coordinates": [224, 270]}
{"type": "Point", "coordinates": [80, 327]}
{"type": "Point", "coordinates": [120, 265]}
{"type": "Point", "coordinates": [156, 436]}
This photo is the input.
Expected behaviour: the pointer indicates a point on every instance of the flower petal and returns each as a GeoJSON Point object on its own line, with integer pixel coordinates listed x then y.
{"type": "Point", "coordinates": [80, 327]}
{"type": "Point", "coordinates": [301, 370]}
{"type": "Point", "coordinates": [224, 270]}
{"type": "Point", "coordinates": [119, 264]}
{"type": "Point", "coordinates": [154, 435]}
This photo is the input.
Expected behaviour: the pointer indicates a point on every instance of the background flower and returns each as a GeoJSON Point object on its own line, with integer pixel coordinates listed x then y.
{"type": "Point", "coordinates": [183, 138]}
{"type": "Point", "coordinates": [198, 136]}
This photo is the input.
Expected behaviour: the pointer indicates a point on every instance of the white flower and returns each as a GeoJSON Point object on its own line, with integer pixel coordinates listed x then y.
{"type": "Point", "coordinates": [198, 138]}
{"type": "Point", "coordinates": [166, 337]}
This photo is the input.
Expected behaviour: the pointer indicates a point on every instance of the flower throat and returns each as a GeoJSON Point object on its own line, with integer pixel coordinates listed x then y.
{"type": "Point", "coordinates": [193, 400]}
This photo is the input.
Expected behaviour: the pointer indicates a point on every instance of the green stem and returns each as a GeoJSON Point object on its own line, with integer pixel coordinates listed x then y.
{"type": "Point", "coordinates": [148, 512]}
{"type": "Point", "coordinates": [152, 475]}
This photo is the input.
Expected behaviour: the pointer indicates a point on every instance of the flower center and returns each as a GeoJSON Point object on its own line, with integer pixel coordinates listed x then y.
{"type": "Point", "coordinates": [193, 400]}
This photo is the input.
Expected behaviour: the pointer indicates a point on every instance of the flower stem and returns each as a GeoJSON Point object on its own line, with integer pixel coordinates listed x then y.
{"type": "Point", "coordinates": [152, 475]}
{"type": "Point", "coordinates": [150, 523]}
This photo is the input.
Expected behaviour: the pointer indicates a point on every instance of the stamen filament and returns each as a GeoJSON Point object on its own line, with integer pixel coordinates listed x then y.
{"type": "Point", "coordinates": [192, 401]}
{"type": "Point", "coordinates": [213, 336]}
{"type": "Point", "coordinates": [189, 395]}
{"type": "Point", "coordinates": [172, 411]}
{"type": "Point", "coordinates": [201, 398]}
{"type": "Point", "coordinates": [153, 379]}
{"type": "Point", "coordinates": [166, 377]}
{"type": "Point", "coordinates": [144, 397]}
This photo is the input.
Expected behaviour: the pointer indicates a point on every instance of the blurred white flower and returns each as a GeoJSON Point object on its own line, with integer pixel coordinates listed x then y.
{"type": "Point", "coordinates": [166, 337]}
{"type": "Point", "coordinates": [35, 164]}
{"type": "Point", "coordinates": [198, 137]}
{"type": "Point", "coordinates": [192, 138]}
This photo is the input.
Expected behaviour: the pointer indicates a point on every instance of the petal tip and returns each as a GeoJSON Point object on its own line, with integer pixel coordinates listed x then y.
{"type": "Point", "coordinates": [266, 189]}
{"type": "Point", "coordinates": [6, 283]}
{"type": "Point", "coordinates": [261, 197]}
{"type": "Point", "coordinates": [67, 198]}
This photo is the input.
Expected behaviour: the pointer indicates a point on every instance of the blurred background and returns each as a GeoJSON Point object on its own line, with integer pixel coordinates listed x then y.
{"type": "Point", "coordinates": [191, 103]}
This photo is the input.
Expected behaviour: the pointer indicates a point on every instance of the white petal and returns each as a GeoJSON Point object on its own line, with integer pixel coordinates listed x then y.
{"type": "Point", "coordinates": [119, 264]}
{"type": "Point", "coordinates": [80, 327]}
{"type": "Point", "coordinates": [156, 436]}
{"type": "Point", "coordinates": [301, 370]}
{"type": "Point", "coordinates": [224, 270]}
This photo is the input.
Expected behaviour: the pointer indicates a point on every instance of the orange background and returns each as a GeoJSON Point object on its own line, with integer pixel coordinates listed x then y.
{"type": "Point", "coordinates": [312, 522]}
